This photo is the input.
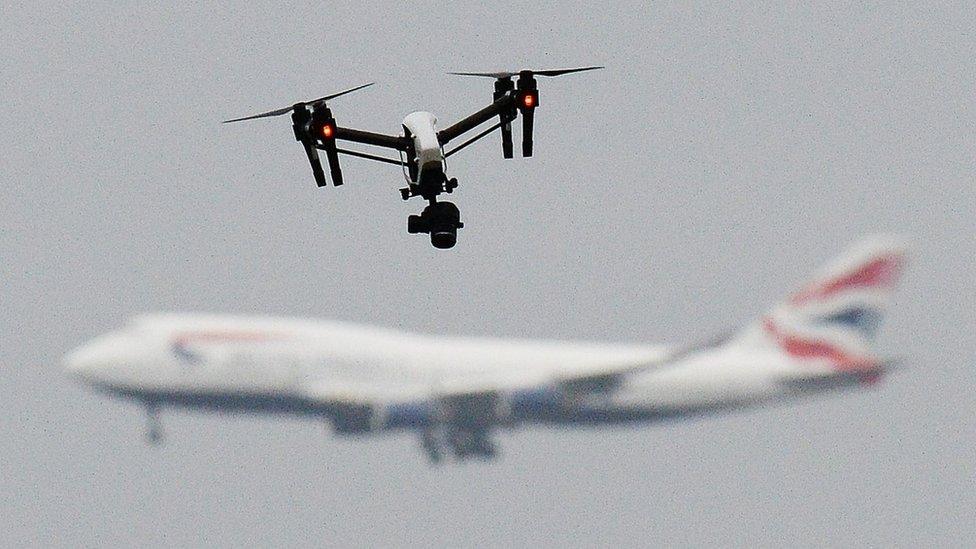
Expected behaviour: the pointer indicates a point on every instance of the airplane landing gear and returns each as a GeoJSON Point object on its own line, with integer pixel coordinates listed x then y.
{"type": "Point", "coordinates": [431, 445]}
{"type": "Point", "coordinates": [473, 443]}
{"type": "Point", "coordinates": [463, 443]}
{"type": "Point", "coordinates": [154, 427]}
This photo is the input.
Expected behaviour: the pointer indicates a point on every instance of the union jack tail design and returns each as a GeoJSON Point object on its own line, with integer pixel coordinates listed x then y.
{"type": "Point", "coordinates": [832, 321]}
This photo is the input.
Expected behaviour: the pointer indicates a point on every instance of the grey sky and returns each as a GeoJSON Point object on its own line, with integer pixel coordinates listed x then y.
{"type": "Point", "coordinates": [722, 156]}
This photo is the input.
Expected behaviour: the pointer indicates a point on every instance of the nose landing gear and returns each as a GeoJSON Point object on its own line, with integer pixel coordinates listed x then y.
{"type": "Point", "coordinates": [154, 427]}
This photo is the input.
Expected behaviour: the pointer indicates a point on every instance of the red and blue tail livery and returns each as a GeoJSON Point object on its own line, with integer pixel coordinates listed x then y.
{"type": "Point", "coordinates": [833, 320]}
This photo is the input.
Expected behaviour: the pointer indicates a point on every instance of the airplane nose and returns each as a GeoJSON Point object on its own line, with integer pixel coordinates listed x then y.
{"type": "Point", "coordinates": [92, 359]}
{"type": "Point", "coordinates": [81, 362]}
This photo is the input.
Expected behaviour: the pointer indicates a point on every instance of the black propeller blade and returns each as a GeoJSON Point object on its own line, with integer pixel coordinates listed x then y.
{"type": "Point", "coordinates": [503, 74]}
{"type": "Point", "coordinates": [286, 110]}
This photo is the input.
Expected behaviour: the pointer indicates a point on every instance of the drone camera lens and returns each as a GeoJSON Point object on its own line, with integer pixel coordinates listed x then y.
{"type": "Point", "coordinates": [444, 239]}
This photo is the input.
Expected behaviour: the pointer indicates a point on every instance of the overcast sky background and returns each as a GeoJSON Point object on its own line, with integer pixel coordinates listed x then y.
{"type": "Point", "coordinates": [722, 156]}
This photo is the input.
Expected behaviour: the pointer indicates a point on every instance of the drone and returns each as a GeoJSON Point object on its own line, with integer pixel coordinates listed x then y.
{"type": "Point", "coordinates": [421, 148]}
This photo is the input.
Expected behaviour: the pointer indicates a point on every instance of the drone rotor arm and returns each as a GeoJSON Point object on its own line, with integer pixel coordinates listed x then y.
{"type": "Point", "coordinates": [476, 138]}
{"type": "Point", "coordinates": [367, 156]}
{"type": "Point", "coordinates": [395, 142]}
{"type": "Point", "coordinates": [498, 108]}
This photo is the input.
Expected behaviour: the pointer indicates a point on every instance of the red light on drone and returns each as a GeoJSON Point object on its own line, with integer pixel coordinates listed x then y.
{"type": "Point", "coordinates": [328, 131]}
{"type": "Point", "coordinates": [528, 100]}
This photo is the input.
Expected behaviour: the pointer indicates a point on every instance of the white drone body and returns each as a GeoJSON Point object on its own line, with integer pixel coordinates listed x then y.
{"type": "Point", "coordinates": [421, 127]}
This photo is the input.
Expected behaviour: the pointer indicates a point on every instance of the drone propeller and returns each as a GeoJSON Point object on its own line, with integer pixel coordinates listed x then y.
{"type": "Point", "coordinates": [526, 94]}
{"type": "Point", "coordinates": [286, 110]}
{"type": "Point", "coordinates": [503, 74]}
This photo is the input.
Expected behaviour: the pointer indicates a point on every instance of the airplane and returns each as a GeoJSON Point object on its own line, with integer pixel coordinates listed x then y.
{"type": "Point", "coordinates": [456, 392]}
{"type": "Point", "coordinates": [422, 157]}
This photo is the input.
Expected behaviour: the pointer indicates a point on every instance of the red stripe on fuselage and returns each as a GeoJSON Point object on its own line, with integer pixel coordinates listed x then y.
{"type": "Point", "coordinates": [222, 337]}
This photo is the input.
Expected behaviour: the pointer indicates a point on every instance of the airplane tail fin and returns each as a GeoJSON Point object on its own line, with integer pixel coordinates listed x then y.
{"type": "Point", "coordinates": [832, 321]}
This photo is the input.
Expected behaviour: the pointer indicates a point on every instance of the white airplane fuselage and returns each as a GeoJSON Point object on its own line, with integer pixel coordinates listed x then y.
{"type": "Point", "coordinates": [365, 379]}
{"type": "Point", "coordinates": [320, 368]}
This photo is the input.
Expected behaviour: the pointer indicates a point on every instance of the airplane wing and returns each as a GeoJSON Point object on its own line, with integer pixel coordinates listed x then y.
{"type": "Point", "coordinates": [583, 378]}
{"type": "Point", "coordinates": [364, 394]}
{"type": "Point", "coordinates": [469, 400]}
{"type": "Point", "coordinates": [470, 410]}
